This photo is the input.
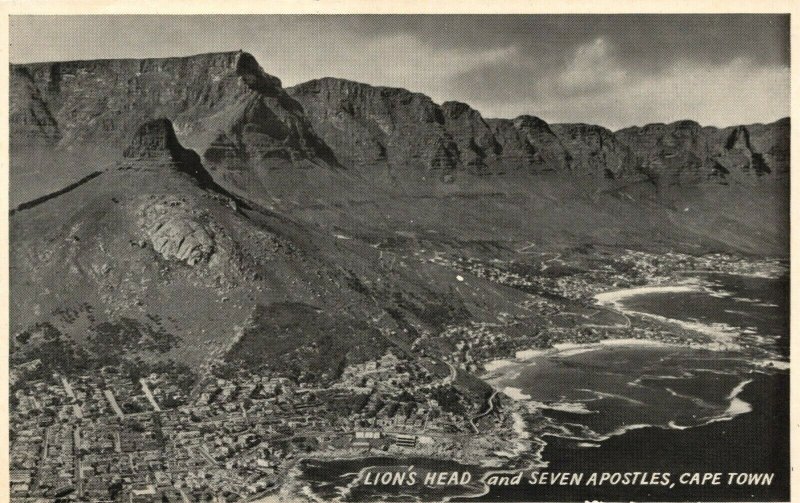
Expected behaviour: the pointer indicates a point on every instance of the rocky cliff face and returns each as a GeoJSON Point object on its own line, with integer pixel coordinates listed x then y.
{"type": "Point", "coordinates": [368, 126]}
{"type": "Point", "coordinates": [31, 121]}
{"type": "Point", "coordinates": [224, 106]}
{"type": "Point", "coordinates": [244, 125]}
{"type": "Point", "coordinates": [595, 150]}
{"type": "Point", "coordinates": [478, 149]}
{"type": "Point", "coordinates": [684, 152]}
{"type": "Point", "coordinates": [155, 143]}
{"type": "Point", "coordinates": [550, 152]}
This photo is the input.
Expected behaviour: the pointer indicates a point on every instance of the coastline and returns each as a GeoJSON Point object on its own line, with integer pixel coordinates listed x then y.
{"type": "Point", "coordinates": [499, 370]}
{"type": "Point", "coordinates": [610, 299]}
{"type": "Point", "coordinates": [722, 336]}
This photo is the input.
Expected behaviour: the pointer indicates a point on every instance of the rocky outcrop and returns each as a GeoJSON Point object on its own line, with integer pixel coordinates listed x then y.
{"type": "Point", "coordinates": [594, 150]}
{"type": "Point", "coordinates": [685, 152]}
{"type": "Point", "coordinates": [181, 238]}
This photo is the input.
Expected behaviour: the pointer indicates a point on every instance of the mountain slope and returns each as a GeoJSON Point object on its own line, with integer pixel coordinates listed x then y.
{"type": "Point", "coordinates": [373, 162]}
{"type": "Point", "coordinates": [153, 243]}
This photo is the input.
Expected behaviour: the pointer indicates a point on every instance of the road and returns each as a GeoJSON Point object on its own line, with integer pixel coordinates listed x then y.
{"type": "Point", "coordinates": [626, 324]}
{"type": "Point", "coordinates": [76, 446]}
{"type": "Point", "coordinates": [68, 388]}
{"type": "Point", "coordinates": [474, 420]}
{"type": "Point", "coordinates": [113, 402]}
{"type": "Point", "coordinates": [544, 264]}
{"type": "Point", "coordinates": [149, 395]}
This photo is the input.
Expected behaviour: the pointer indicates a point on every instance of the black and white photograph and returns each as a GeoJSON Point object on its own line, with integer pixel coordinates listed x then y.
{"type": "Point", "coordinates": [398, 257]}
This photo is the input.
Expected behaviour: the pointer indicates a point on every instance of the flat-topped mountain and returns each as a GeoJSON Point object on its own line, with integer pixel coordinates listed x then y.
{"type": "Point", "coordinates": [377, 160]}
{"type": "Point", "coordinates": [224, 106]}
{"type": "Point", "coordinates": [213, 99]}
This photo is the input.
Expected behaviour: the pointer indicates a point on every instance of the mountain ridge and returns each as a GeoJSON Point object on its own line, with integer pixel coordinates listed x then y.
{"type": "Point", "coordinates": [321, 149]}
{"type": "Point", "coordinates": [585, 140]}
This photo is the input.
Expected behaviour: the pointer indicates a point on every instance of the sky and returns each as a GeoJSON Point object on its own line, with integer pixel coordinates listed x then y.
{"type": "Point", "coordinates": [613, 70]}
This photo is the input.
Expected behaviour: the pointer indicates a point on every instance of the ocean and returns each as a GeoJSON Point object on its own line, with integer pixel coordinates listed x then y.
{"type": "Point", "coordinates": [643, 408]}
{"type": "Point", "coordinates": [671, 409]}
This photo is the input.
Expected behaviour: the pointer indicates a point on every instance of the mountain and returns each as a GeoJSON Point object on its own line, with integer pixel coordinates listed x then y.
{"type": "Point", "coordinates": [193, 209]}
{"type": "Point", "coordinates": [399, 130]}
{"type": "Point", "coordinates": [68, 118]}
{"type": "Point", "coordinates": [411, 136]}
{"type": "Point", "coordinates": [153, 250]}
{"type": "Point", "coordinates": [299, 265]}
{"type": "Point", "coordinates": [374, 161]}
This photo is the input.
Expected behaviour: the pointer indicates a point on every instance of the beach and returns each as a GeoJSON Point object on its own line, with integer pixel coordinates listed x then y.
{"type": "Point", "coordinates": [612, 297]}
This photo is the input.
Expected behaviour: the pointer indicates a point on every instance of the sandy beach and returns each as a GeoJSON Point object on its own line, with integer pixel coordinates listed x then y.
{"type": "Point", "coordinates": [503, 367]}
{"type": "Point", "coordinates": [612, 298]}
{"type": "Point", "coordinates": [722, 336]}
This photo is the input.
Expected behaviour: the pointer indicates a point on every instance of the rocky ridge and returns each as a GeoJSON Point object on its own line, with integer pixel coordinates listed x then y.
{"type": "Point", "coordinates": [240, 119]}
{"type": "Point", "coordinates": [366, 125]}
{"type": "Point", "coordinates": [355, 158]}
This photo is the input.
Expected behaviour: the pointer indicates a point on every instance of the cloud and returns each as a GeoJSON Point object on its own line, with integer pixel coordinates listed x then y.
{"type": "Point", "coordinates": [592, 69]}
{"type": "Point", "coordinates": [736, 92]}
{"type": "Point", "coordinates": [404, 61]}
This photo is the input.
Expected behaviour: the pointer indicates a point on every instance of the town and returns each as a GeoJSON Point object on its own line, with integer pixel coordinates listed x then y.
{"type": "Point", "coordinates": [143, 433]}
{"type": "Point", "coordinates": [106, 437]}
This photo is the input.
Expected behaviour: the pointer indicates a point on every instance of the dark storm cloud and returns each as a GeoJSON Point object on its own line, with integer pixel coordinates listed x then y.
{"type": "Point", "coordinates": [616, 69]}
{"type": "Point", "coordinates": [646, 41]}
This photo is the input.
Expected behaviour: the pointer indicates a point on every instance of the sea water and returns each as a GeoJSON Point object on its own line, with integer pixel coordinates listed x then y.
{"type": "Point", "coordinates": [672, 409]}
{"type": "Point", "coordinates": [646, 408]}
